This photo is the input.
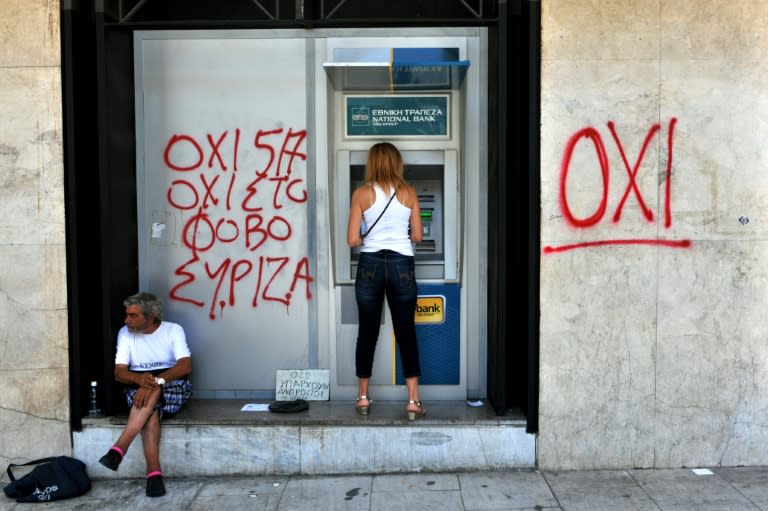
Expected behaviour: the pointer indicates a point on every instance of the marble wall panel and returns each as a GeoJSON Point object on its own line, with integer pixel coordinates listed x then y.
{"type": "Point", "coordinates": [719, 187]}
{"type": "Point", "coordinates": [602, 30]}
{"type": "Point", "coordinates": [712, 363]}
{"type": "Point", "coordinates": [598, 344]}
{"type": "Point", "coordinates": [37, 283]}
{"type": "Point", "coordinates": [26, 436]}
{"type": "Point", "coordinates": [34, 339]}
{"type": "Point", "coordinates": [29, 33]}
{"type": "Point", "coordinates": [31, 157]}
{"type": "Point", "coordinates": [713, 29]}
{"type": "Point", "coordinates": [35, 391]}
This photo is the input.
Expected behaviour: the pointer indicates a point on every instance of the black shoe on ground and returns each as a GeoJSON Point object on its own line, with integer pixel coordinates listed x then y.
{"type": "Point", "coordinates": [155, 486]}
{"type": "Point", "coordinates": [111, 460]}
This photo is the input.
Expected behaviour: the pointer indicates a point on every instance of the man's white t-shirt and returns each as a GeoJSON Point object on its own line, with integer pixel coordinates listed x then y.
{"type": "Point", "coordinates": [149, 352]}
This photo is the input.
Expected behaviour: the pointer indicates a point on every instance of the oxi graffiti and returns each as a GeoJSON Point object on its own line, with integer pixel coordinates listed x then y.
{"type": "Point", "coordinates": [590, 134]}
{"type": "Point", "coordinates": [239, 212]}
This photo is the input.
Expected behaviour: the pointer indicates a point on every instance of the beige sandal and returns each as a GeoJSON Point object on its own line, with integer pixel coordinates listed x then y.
{"type": "Point", "coordinates": [412, 415]}
{"type": "Point", "coordinates": [363, 410]}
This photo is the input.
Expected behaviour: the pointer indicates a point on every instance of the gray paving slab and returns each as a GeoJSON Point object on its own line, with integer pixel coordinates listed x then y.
{"type": "Point", "coordinates": [395, 492]}
{"type": "Point", "coordinates": [684, 490]}
{"type": "Point", "coordinates": [345, 493]}
{"type": "Point", "coordinates": [262, 493]}
{"type": "Point", "coordinates": [752, 482]}
{"type": "Point", "coordinates": [233, 502]}
{"type": "Point", "coordinates": [606, 499]}
{"type": "Point", "coordinates": [393, 483]}
{"type": "Point", "coordinates": [523, 489]}
{"type": "Point", "coordinates": [432, 500]}
{"type": "Point", "coordinates": [577, 479]}
{"type": "Point", "coordinates": [598, 490]}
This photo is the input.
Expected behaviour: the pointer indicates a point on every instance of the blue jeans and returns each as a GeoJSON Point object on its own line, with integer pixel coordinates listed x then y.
{"type": "Point", "coordinates": [380, 274]}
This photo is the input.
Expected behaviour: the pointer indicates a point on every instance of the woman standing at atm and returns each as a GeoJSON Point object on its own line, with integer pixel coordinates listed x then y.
{"type": "Point", "coordinates": [389, 207]}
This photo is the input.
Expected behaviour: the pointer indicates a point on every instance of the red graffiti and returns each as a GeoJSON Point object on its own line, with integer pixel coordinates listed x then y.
{"type": "Point", "coordinates": [585, 244]}
{"type": "Point", "coordinates": [633, 172]}
{"type": "Point", "coordinates": [593, 135]}
{"type": "Point", "coordinates": [278, 179]}
{"type": "Point", "coordinates": [221, 232]}
{"type": "Point", "coordinates": [602, 157]}
{"type": "Point", "coordinates": [668, 180]}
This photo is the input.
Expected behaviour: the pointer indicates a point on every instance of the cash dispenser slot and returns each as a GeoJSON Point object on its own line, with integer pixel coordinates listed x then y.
{"type": "Point", "coordinates": [426, 246]}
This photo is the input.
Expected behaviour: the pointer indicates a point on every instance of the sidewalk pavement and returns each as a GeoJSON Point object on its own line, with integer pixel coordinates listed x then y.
{"type": "Point", "coordinates": [682, 489]}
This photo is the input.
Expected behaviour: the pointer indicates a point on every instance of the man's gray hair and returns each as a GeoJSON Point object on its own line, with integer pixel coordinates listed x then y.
{"type": "Point", "coordinates": [149, 304]}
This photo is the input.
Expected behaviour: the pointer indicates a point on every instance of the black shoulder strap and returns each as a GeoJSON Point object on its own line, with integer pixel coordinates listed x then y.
{"type": "Point", "coordinates": [368, 230]}
{"type": "Point", "coordinates": [33, 462]}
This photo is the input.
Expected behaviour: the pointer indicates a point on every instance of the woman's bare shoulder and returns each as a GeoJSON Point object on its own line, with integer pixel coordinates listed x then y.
{"type": "Point", "coordinates": [364, 196]}
{"type": "Point", "coordinates": [412, 191]}
{"type": "Point", "coordinates": [410, 195]}
{"type": "Point", "coordinates": [360, 190]}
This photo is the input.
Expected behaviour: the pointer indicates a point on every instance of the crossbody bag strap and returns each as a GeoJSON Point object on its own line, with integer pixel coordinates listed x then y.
{"type": "Point", "coordinates": [368, 230]}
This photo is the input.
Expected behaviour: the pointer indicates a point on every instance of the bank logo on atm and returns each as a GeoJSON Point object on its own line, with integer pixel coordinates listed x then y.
{"type": "Point", "coordinates": [361, 116]}
{"type": "Point", "coordinates": [430, 309]}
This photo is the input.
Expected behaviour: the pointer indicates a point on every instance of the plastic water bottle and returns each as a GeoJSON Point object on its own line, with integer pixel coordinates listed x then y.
{"type": "Point", "coordinates": [94, 411]}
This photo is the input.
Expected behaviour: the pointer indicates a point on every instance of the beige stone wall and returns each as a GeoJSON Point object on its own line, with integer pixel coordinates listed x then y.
{"type": "Point", "coordinates": [654, 355]}
{"type": "Point", "coordinates": [34, 400]}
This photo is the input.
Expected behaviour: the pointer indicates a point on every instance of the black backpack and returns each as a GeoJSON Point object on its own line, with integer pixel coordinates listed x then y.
{"type": "Point", "coordinates": [54, 478]}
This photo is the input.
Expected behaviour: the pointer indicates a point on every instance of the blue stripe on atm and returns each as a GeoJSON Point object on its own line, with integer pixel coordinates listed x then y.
{"type": "Point", "coordinates": [424, 55]}
{"type": "Point", "coordinates": [427, 69]}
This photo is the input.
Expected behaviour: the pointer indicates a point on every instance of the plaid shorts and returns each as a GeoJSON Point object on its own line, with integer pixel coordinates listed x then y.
{"type": "Point", "coordinates": [173, 397]}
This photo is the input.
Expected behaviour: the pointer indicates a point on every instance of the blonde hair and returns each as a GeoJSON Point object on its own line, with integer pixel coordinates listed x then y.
{"type": "Point", "coordinates": [385, 166]}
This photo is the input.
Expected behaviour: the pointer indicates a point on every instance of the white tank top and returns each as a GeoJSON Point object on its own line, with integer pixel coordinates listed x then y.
{"type": "Point", "coordinates": [391, 231]}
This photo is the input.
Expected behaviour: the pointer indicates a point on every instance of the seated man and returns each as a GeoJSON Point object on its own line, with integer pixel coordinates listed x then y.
{"type": "Point", "coordinates": [153, 359]}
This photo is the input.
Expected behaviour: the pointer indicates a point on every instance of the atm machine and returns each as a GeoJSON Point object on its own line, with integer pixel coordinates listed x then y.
{"type": "Point", "coordinates": [410, 96]}
{"type": "Point", "coordinates": [434, 175]}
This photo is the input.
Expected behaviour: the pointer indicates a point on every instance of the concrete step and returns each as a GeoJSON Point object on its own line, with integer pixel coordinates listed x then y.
{"type": "Point", "coordinates": [211, 437]}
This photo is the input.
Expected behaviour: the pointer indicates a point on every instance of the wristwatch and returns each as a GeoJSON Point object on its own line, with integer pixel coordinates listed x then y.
{"type": "Point", "coordinates": [160, 381]}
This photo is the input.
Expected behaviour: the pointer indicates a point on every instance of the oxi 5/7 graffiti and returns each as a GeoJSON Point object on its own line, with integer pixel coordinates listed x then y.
{"type": "Point", "coordinates": [240, 211]}
{"type": "Point", "coordinates": [592, 134]}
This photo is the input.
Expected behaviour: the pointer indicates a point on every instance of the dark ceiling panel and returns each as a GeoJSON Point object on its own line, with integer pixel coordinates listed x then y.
{"type": "Point", "coordinates": [318, 11]}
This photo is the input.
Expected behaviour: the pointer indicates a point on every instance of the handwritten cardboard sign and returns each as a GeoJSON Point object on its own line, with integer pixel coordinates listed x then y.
{"type": "Point", "coordinates": [307, 384]}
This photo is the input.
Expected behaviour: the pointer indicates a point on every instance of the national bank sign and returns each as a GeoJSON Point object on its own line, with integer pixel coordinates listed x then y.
{"type": "Point", "coordinates": [397, 116]}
